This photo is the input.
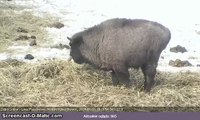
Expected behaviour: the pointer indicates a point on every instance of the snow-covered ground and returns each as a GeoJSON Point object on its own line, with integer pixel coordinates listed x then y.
{"type": "Point", "coordinates": [181, 17]}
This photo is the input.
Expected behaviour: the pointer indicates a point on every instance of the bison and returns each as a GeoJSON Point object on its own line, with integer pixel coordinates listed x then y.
{"type": "Point", "coordinates": [118, 44]}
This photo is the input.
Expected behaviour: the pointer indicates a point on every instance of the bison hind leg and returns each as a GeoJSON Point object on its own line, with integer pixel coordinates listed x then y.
{"type": "Point", "coordinates": [149, 72]}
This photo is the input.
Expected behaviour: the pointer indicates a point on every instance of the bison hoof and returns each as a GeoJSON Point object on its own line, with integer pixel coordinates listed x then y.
{"type": "Point", "coordinates": [147, 90]}
{"type": "Point", "coordinates": [128, 85]}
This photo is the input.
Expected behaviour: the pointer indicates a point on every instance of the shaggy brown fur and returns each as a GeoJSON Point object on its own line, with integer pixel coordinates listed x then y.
{"type": "Point", "coordinates": [118, 44]}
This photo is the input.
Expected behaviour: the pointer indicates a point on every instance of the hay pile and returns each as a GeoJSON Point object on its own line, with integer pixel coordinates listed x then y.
{"type": "Point", "coordinates": [66, 84]}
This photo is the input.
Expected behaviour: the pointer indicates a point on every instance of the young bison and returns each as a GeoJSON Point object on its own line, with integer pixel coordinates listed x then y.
{"type": "Point", "coordinates": [118, 44]}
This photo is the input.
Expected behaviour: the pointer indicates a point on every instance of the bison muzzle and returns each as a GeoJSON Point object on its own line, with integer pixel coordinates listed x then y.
{"type": "Point", "coordinates": [118, 44]}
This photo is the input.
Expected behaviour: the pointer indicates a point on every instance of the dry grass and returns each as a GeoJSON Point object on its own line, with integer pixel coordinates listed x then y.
{"type": "Point", "coordinates": [12, 17]}
{"type": "Point", "coordinates": [66, 84]}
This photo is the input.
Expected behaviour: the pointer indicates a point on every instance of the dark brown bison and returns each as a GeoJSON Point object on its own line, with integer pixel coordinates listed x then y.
{"type": "Point", "coordinates": [118, 44]}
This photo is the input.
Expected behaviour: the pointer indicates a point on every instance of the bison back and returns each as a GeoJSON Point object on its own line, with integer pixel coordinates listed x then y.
{"type": "Point", "coordinates": [132, 41]}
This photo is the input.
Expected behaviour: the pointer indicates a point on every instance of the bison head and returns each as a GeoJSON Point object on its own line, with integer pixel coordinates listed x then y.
{"type": "Point", "coordinates": [75, 52]}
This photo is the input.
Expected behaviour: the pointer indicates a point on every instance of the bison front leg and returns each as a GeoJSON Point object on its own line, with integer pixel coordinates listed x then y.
{"type": "Point", "coordinates": [122, 75]}
{"type": "Point", "coordinates": [149, 72]}
{"type": "Point", "coordinates": [124, 78]}
{"type": "Point", "coordinates": [115, 80]}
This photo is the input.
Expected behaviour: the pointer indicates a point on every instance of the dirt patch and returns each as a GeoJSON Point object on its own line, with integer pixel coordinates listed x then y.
{"type": "Point", "coordinates": [179, 63]}
{"type": "Point", "coordinates": [177, 49]}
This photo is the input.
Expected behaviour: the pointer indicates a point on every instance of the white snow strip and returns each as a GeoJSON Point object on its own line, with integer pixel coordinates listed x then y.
{"type": "Point", "coordinates": [181, 17]}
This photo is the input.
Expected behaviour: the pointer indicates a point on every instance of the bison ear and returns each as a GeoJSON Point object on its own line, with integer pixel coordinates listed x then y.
{"type": "Point", "coordinates": [78, 39]}
{"type": "Point", "coordinates": [70, 39]}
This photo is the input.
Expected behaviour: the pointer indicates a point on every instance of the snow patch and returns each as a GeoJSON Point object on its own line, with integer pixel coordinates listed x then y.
{"type": "Point", "coordinates": [181, 18]}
